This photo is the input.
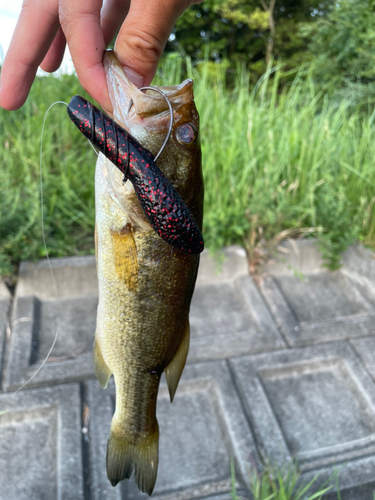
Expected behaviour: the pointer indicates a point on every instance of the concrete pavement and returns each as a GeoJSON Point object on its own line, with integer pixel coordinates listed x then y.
{"type": "Point", "coordinates": [281, 366]}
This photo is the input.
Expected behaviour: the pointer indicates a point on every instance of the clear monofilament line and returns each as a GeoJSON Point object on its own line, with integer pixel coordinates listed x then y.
{"type": "Point", "coordinates": [47, 254]}
{"type": "Point", "coordinates": [46, 251]}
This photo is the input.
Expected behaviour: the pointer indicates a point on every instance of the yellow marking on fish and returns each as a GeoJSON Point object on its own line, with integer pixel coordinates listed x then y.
{"type": "Point", "coordinates": [125, 256]}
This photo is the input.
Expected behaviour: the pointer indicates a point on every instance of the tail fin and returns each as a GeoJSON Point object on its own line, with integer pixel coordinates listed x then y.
{"type": "Point", "coordinates": [123, 456]}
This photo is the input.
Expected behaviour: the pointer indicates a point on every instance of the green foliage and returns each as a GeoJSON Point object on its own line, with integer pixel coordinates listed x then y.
{"type": "Point", "coordinates": [343, 42]}
{"type": "Point", "coordinates": [273, 161]}
{"type": "Point", "coordinates": [281, 161]}
{"type": "Point", "coordinates": [276, 483]}
{"type": "Point", "coordinates": [338, 36]}
{"type": "Point", "coordinates": [341, 220]}
{"type": "Point", "coordinates": [238, 30]}
{"type": "Point", "coordinates": [239, 11]}
{"type": "Point", "coordinates": [68, 167]}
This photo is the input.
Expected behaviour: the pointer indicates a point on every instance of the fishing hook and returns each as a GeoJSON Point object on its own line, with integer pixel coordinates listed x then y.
{"type": "Point", "coordinates": [170, 112]}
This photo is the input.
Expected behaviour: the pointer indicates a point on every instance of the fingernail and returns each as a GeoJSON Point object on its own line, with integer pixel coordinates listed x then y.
{"type": "Point", "coordinates": [134, 77]}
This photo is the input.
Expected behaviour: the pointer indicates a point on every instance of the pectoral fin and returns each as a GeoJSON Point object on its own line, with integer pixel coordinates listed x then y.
{"type": "Point", "coordinates": [174, 369]}
{"type": "Point", "coordinates": [102, 371]}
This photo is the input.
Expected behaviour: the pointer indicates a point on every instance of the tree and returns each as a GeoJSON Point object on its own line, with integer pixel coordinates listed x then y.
{"type": "Point", "coordinates": [269, 9]}
{"type": "Point", "coordinates": [343, 42]}
{"type": "Point", "coordinates": [248, 30]}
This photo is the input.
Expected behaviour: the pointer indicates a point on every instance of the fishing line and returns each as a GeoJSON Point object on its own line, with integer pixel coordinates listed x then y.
{"type": "Point", "coordinates": [46, 249]}
{"type": "Point", "coordinates": [170, 128]}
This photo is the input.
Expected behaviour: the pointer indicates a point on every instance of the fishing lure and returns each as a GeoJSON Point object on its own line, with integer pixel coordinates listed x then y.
{"type": "Point", "coordinates": [166, 211]}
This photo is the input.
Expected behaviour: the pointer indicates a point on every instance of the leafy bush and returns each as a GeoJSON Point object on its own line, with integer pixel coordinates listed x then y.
{"type": "Point", "coordinates": [343, 42]}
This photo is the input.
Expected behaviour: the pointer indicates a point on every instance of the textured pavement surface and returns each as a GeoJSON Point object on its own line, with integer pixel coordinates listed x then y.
{"type": "Point", "coordinates": [279, 367]}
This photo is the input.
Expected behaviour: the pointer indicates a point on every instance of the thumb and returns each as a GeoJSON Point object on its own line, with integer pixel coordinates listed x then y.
{"type": "Point", "coordinates": [144, 34]}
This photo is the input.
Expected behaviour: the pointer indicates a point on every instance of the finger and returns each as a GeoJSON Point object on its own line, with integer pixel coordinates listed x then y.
{"type": "Point", "coordinates": [55, 54]}
{"type": "Point", "coordinates": [112, 16]}
{"type": "Point", "coordinates": [144, 34]}
{"type": "Point", "coordinates": [80, 22]}
{"type": "Point", "coordinates": [34, 33]}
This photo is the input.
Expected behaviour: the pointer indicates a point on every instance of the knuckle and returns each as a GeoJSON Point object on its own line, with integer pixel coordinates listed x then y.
{"type": "Point", "coordinates": [145, 45]}
{"type": "Point", "coordinates": [69, 16]}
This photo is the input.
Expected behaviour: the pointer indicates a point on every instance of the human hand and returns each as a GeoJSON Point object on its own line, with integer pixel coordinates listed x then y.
{"type": "Point", "coordinates": [45, 26]}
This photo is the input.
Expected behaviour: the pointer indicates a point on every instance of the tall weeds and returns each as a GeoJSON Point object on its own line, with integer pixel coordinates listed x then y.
{"type": "Point", "coordinates": [290, 159]}
{"type": "Point", "coordinates": [275, 158]}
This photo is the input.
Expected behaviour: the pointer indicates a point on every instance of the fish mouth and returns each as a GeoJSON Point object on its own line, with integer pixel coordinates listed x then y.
{"type": "Point", "coordinates": [146, 116]}
{"type": "Point", "coordinates": [147, 106]}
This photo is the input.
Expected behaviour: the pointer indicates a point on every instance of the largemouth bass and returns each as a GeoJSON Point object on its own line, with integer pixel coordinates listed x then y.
{"type": "Point", "coordinates": [145, 285]}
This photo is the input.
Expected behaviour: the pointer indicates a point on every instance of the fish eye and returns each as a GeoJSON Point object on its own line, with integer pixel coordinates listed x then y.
{"type": "Point", "coordinates": [185, 134]}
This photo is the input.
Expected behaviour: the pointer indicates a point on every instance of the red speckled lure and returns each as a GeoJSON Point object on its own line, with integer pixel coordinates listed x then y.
{"type": "Point", "coordinates": [166, 211]}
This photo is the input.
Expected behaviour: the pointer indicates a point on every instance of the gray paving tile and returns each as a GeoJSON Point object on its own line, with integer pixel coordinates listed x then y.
{"type": "Point", "coordinates": [228, 265]}
{"type": "Point", "coordinates": [74, 276]}
{"type": "Point", "coordinates": [312, 305]}
{"type": "Point", "coordinates": [365, 349]}
{"type": "Point", "coordinates": [40, 453]}
{"type": "Point", "coordinates": [316, 404]}
{"type": "Point", "coordinates": [295, 257]}
{"type": "Point", "coordinates": [319, 307]}
{"type": "Point", "coordinates": [5, 301]}
{"type": "Point", "coordinates": [364, 492]}
{"type": "Point", "coordinates": [359, 263]}
{"type": "Point", "coordinates": [38, 314]}
{"type": "Point", "coordinates": [228, 317]}
{"type": "Point", "coordinates": [199, 433]}
{"type": "Point", "coordinates": [303, 257]}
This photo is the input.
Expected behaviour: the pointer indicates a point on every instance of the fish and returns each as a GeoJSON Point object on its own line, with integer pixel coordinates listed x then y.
{"type": "Point", "coordinates": [164, 208]}
{"type": "Point", "coordinates": [145, 284]}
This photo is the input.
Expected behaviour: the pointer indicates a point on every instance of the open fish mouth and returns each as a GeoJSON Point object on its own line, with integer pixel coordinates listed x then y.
{"type": "Point", "coordinates": [148, 110]}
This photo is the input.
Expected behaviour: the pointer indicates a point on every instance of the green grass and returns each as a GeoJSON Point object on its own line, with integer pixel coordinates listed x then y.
{"type": "Point", "coordinates": [275, 163]}
{"type": "Point", "coordinates": [68, 178]}
{"type": "Point", "coordinates": [276, 483]}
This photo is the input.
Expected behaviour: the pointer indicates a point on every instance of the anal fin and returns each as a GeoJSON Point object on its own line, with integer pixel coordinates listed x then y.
{"type": "Point", "coordinates": [102, 371]}
{"type": "Point", "coordinates": [174, 370]}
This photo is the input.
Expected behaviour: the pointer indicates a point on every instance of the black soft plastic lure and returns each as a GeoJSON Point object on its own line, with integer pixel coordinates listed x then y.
{"type": "Point", "coordinates": [163, 206]}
